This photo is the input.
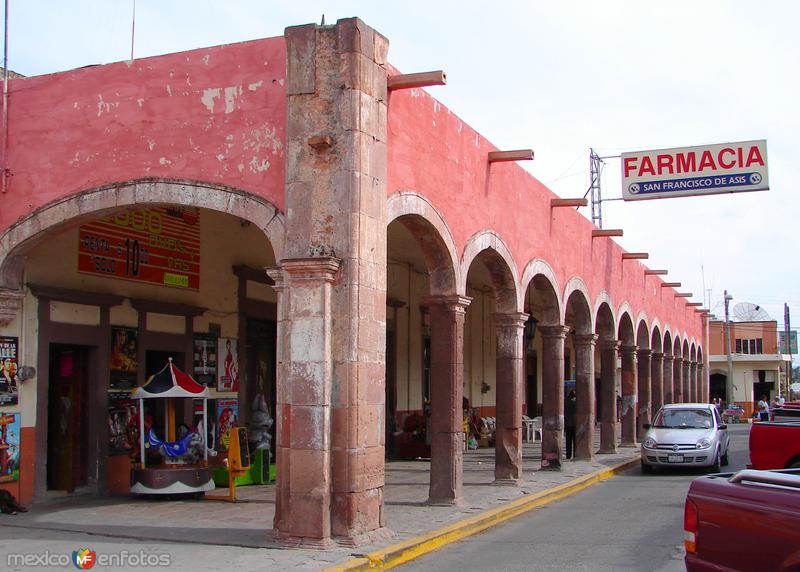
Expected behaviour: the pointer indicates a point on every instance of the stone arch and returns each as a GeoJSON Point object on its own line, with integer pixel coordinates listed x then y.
{"type": "Point", "coordinates": [92, 202]}
{"type": "Point", "coordinates": [433, 235]}
{"type": "Point", "coordinates": [577, 293]}
{"type": "Point", "coordinates": [604, 311]}
{"type": "Point", "coordinates": [625, 332]}
{"type": "Point", "coordinates": [538, 274]}
{"type": "Point", "coordinates": [642, 331]}
{"type": "Point", "coordinates": [487, 246]}
{"type": "Point", "coordinates": [656, 339]}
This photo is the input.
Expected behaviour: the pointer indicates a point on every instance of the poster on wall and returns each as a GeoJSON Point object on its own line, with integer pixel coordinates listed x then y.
{"type": "Point", "coordinates": [227, 417]}
{"type": "Point", "coordinates": [228, 365]}
{"type": "Point", "coordinates": [122, 363]}
{"type": "Point", "coordinates": [123, 430]}
{"type": "Point", "coordinates": [156, 245]}
{"type": "Point", "coordinates": [9, 388]}
{"type": "Point", "coordinates": [9, 447]}
{"type": "Point", "coordinates": [205, 360]}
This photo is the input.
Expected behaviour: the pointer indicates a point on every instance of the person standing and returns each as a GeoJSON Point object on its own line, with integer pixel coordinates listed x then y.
{"type": "Point", "coordinates": [763, 408]}
{"type": "Point", "coordinates": [570, 409]}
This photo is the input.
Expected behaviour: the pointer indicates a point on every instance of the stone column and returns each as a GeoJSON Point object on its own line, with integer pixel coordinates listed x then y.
{"type": "Point", "coordinates": [608, 415]}
{"type": "Point", "coordinates": [303, 408]}
{"type": "Point", "coordinates": [669, 391]}
{"type": "Point", "coordinates": [703, 382]}
{"type": "Point", "coordinates": [657, 374]}
{"type": "Point", "coordinates": [508, 434]}
{"type": "Point", "coordinates": [677, 380]}
{"type": "Point", "coordinates": [447, 392]}
{"type": "Point", "coordinates": [335, 205]}
{"type": "Point", "coordinates": [693, 378]}
{"type": "Point", "coordinates": [687, 381]}
{"type": "Point", "coordinates": [584, 384]}
{"type": "Point", "coordinates": [628, 354]}
{"type": "Point", "coordinates": [643, 413]}
{"type": "Point", "coordinates": [552, 395]}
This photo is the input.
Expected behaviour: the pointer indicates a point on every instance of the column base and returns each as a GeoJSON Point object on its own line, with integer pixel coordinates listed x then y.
{"type": "Point", "coordinates": [554, 465]}
{"type": "Point", "coordinates": [507, 482]}
{"type": "Point", "coordinates": [628, 444]}
{"type": "Point", "coordinates": [300, 542]}
{"type": "Point", "coordinates": [371, 537]}
{"type": "Point", "coordinates": [445, 502]}
{"type": "Point", "coordinates": [607, 451]}
{"type": "Point", "coordinates": [589, 457]}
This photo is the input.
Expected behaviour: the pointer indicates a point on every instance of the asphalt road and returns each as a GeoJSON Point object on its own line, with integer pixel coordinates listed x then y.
{"type": "Point", "coordinates": [629, 522]}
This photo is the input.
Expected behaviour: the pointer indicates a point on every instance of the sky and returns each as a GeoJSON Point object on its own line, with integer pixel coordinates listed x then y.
{"type": "Point", "coordinates": [558, 77]}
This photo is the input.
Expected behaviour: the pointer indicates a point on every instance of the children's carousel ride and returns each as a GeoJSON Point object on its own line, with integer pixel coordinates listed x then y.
{"type": "Point", "coordinates": [183, 465]}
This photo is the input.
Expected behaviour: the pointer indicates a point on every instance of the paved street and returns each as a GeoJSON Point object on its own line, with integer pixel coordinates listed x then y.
{"type": "Point", "coordinates": [629, 522]}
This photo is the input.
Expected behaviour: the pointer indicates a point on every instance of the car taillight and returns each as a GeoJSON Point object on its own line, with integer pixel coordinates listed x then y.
{"type": "Point", "coordinates": [690, 525]}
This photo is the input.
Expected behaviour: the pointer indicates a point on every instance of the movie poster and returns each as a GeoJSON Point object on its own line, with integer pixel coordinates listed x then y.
{"type": "Point", "coordinates": [228, 365]}
{"type": "Point", "coordinates": [9, 386]}
{"type": "Point", "coordinates": [9, 447]}
{"type": "Point", "coordinates": [122, 423]}
{"type": "Point", "coordinates": [123, 362]}
{"type": "Point", "coordinates": [227, 417]}
{"type": "Point", "coordinates": [205, 360]}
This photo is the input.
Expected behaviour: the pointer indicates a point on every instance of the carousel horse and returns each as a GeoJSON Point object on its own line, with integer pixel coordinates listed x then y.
{"type": "Point", "coordinates": [174, 449]}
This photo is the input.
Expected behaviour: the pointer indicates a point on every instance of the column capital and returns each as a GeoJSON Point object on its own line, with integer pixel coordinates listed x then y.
{"type": "Point", "coordinates": [585, 339]}
{"type": "Point", "coordinates": [10, 304]}
{"type": "Point", "coordinates": [512, 319]}
{"type": "Point", "coordinates": [668, 357]}
{"type": "Point", "coordinates": [626, 349]}
{"type": "Point", "coordinates": [693, 364]}
{"type": "Point", "coordinates": [453, 303]}
{"type": "Point", "coordinates": [643, 353]}
{"type": "Point", "coordinates": [323, 267]}
{"type": "Point", "coordinates": [612, 344]}
{"type": "Point", "coordinates": [677, 359]}
{"type": "Point", "coordinates": [276, 273]}
{"type": "Point", "coordinates": [557, 331]}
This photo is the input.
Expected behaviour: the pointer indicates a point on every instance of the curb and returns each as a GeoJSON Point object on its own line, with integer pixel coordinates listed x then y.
{"type": "Point", "coordinates": [402, 552]}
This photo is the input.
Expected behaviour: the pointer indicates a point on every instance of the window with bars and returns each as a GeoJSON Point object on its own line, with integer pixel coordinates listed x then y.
{"type": "Point", "coordinates": [749, 346]}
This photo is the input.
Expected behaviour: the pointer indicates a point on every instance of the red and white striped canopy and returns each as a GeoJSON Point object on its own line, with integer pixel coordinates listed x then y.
{"type": "Point", "coordinates": [170, 382]}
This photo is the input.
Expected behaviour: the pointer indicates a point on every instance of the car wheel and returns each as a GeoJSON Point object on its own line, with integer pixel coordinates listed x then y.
{"type": "Point", "coordinates": [715, 467]}
{"type": "Point", "coordinates": [794, 465]}
{"type": "Point", "coordinates": [646, 469]}
{"type": "Point", "coordinates": [724, 460]}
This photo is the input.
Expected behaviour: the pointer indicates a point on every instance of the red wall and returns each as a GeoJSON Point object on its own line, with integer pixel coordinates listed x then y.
{"type": "Point", "coordinates": [216, 115]}
{"type": "Point", "coordinates": [433, 152]}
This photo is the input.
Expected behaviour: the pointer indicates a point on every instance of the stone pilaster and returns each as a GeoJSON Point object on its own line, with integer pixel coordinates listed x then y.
{"type": "Point", "coordinates": [336, 175]}
{"type": "Point", "coordinates": [508, 435]}
{"type": "Point", "coordinates": [303, 409]}
{"type": "Point", "coordinates": [608, 398]}
{"type": "Point", "coordinates": [584, 384]}
{"type": "Point", "coordinates": [693, 380]}
{"type": "Point", "coordinates": [644, 412]}
{"type": "Point", "coordinates": [552, 395]}
{"type": "Point", "coordinates": [447, 392]}
{"type": "Point", "coordinates": [629, 402]}
{"type": "Point", "coordinates": [10, 304]}
{"type": "Point", "coordinates": [687, 381]}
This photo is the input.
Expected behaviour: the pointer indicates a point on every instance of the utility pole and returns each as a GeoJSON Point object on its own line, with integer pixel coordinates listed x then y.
{"type": "Point", "coordinates": [788, 338]}
{"type": "Point", "coordinates": [729, 379]}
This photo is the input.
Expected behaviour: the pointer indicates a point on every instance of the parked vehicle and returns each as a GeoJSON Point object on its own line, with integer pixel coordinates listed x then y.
{"type": "Point", "coordinates": [685, 435]}
{"type": "Point", "coordinates": [775, 445]}
{"type": "Point", "coordinates": [746, 521]}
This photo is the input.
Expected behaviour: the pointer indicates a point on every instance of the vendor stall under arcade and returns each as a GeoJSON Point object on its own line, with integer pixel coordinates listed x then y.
{"type": "Point", "coordinates": [182, 465]}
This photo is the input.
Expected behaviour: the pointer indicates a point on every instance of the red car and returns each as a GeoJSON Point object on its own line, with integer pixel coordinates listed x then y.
{"type": "Point", "coordinates": [775, 445]}
{"type": "Point", "coordinates": [746, 521]}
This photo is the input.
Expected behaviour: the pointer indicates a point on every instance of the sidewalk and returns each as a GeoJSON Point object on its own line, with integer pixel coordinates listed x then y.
{"type": "Point", "coordinates": [208, 535]}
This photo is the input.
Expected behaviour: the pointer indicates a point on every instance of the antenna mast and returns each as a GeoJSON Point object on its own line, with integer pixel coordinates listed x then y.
{"type": "Point", "coordinates": [595, 170]}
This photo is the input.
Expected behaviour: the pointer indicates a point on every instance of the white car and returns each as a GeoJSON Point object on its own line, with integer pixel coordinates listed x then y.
{"type": "Point", "coordinates": [685, 435]}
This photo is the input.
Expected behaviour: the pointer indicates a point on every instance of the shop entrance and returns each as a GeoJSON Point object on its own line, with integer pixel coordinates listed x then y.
{"type": "Point", "coordinates": [67, 418]}
{"type": "Point", "coordinates": [261, 363]}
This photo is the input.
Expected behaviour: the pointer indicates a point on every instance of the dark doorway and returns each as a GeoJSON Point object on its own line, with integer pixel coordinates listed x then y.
{"type": "Point", "coordinates": [717, 387]}
{"type": "Point", "coordinates": [532, 407]}
{"type": "Point", "coordinates": [67, 418]}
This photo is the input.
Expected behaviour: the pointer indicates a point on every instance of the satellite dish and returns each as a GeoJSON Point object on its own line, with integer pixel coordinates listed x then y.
{"type": "Point", "coordinates": [747, 312]}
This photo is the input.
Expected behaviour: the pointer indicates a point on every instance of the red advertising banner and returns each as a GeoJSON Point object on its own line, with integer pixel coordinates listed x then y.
{"type": "Point", "coordinates": [158, 245]}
